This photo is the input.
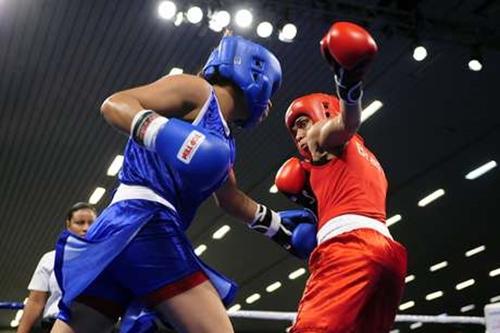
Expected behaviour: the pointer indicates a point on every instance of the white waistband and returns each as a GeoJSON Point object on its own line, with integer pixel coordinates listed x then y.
{"type": "Point", "coordinates": [349, 222]}
{"type": "Point", "coordinates": [130, 192]}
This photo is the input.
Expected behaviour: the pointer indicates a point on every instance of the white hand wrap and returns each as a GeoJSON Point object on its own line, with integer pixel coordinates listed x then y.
{"type": "Point", "coordinates": [266, 221]}
{"type": "Point", "coordinates": [145, 127]}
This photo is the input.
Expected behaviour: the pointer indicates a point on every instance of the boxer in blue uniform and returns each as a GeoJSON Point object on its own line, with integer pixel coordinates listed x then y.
{"type": "Point", "coordinates": [180, 152]}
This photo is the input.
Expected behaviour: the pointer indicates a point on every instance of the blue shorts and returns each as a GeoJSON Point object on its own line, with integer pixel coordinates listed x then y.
{"type": "Point", "coordinates": [136, 250]}
{"type": "Point", "coordinates": [159, 259]}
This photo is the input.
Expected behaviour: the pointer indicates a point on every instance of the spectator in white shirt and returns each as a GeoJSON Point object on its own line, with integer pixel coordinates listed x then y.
{"type": "Point", "coordinates": [44, 291]}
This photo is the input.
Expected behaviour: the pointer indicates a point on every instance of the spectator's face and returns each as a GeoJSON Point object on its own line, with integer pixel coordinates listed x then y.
{"type": "Point", "coordinates": [80, 221]}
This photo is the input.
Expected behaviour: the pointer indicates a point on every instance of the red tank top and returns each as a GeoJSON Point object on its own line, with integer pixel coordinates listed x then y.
{"type": "Point", "coordinates": [353, 183]}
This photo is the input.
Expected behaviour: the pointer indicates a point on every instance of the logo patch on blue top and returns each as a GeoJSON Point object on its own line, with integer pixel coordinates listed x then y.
{"type": "Point", "coordinates": [190, 146]}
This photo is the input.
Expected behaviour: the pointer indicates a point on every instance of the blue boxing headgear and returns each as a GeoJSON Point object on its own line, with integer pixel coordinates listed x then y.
{"type": "Point", "coordinates": [252, 67]}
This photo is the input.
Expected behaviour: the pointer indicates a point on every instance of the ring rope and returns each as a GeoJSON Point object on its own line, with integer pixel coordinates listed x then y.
{"type": "Point", "coordinates": [290, 316]}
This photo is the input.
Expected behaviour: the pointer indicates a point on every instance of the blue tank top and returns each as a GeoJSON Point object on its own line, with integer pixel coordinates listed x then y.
{"type": "Point", "coordinates": [143, 167]}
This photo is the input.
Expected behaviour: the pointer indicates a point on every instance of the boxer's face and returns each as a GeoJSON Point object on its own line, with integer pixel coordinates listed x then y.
{"type": "Point", "coordinates": [80, 221]}
{"type": "Point", "coordinates": [266, 112]}
{"type": "Point", "coordinates": [300, 127]}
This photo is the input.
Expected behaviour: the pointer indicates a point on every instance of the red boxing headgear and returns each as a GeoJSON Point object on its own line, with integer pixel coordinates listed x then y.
{"type": "Point", "coordinates": [316, 106]}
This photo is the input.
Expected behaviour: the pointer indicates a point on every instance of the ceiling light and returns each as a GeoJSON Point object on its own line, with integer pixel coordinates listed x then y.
{"type": "Point", "coordinates": [19, 314]}
{"type": "Point", "coordinates": [467, 308]}
{"type": "Point", "coordinates": [495, 272]}
{"type": "Point", "coordinates": [273, 189]}
{"type": "Point", "coordinates": [273, 286]}
{"type": "Point", "coordinates": [431, 197]}
{"type": "Point", "coordinates": [264, 29]}
{"type": "Point", "coordinates": [465, 284]}
{"type": "Point", "coordinates": [409, 278]}
{"type": "Point", "coordinates": [371, 109]}
{"type": "Point", "coordinates": [288, 32]}
{"type": "Point", "coordinates": [15, 321]}
{"type": "Point", "coordinates": [200, 249]}
{"type": "Point", "coordinates": [406, 305]}
{"type": "Point", "coordinates": [214, 27]}
{"type": "Point", "coordinates": [243, 18]}
{"type": "Point", "coordinates": [393, 220]}
{"type": "Point", "coordinates": [115, 166]}
{"type": "Point", "coordinates": [415, 325]}
{"type": "Point", "coordinates": [176, 71]}
{"type": "Point", "coordinates": [221, 232]}
{"type": "Point", "coordinates": [167, 10]}
{"type": "Point", "coordinates": [219, 20]}
{"type": "Point", "coordinates": [479, 171]}
{"type": "Point", "coordinates": [295, 274]}
{"type": "Point", "coordinates": [97, 195]}
{"type": "Point", "coordinates": [475, 65]}
{"type": "Point", "coordinates": [419, 53]}
{"type": "Point", "coordinates": [434, 295]}
{"type": "Point", "coordinates": [194, 15]}
{"type": "Point", "coordinates": [223, 18]}
{"type": "Point", "coordinates": [234, 308]}
{"type": "Point", "coordinates": [495, 299]}
{"type": "Point", "coordinates": [475, 250]}
{"type": "Point", "coordinates": [179, 18]}
{"type": "Point", "coordinates": [438, 266]}
{"type": "Point", "coordinates": [253, 298]}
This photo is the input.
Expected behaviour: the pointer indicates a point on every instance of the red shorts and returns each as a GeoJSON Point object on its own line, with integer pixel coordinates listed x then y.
{"type": "Point", "coordinates": [356, 284]}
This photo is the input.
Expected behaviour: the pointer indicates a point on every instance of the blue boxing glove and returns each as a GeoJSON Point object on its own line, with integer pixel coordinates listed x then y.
{"type": "Point", "coordinates": [195, 155]}
{"type": "Point", "coordinates": [295, 230]}
{"type": "Point", "coordinates": [303, 225]}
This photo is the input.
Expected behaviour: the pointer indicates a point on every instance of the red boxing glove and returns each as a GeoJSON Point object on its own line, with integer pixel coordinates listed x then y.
{"type": "Point", "coordinates": [349, 49]}
{"type": "Point", "coordinates": [292, 179]}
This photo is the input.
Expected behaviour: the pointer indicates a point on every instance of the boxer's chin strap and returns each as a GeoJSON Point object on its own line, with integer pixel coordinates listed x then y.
{"type": "Point", "coordinates": [145, 127]}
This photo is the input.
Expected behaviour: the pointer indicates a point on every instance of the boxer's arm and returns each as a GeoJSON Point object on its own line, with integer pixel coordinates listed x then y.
{"type": "Point", "coordinates": [349, 50]}
{"type": "Point", "coordinates": [332, 133]}
{"type": "Point", "coordinates": [170, 96]}
{"type": "Point", "coordinates": [234, 202]}
{"type": "Point", "coordinates": [294, 230]}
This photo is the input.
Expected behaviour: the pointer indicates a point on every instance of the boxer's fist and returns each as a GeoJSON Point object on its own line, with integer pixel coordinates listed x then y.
{"type": "Point", "coordinates": [301, 223]}
{"type": "Point", "coordinates": [349, 49]}
{"type": "Point", "coordinates": [348, 45]}
{"type": "Point", "coordinates": [304, 240]}
{"type": "Point", "coordinates": [194, 154]}
{"type": "Point", "coordinates": [292, 179]}
{"type": "Point", "coordinates": [294, 230]}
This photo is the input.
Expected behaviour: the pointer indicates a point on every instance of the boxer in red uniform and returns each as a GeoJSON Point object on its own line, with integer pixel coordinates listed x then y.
{"type": "Point", "coordinates": [357, 270]}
